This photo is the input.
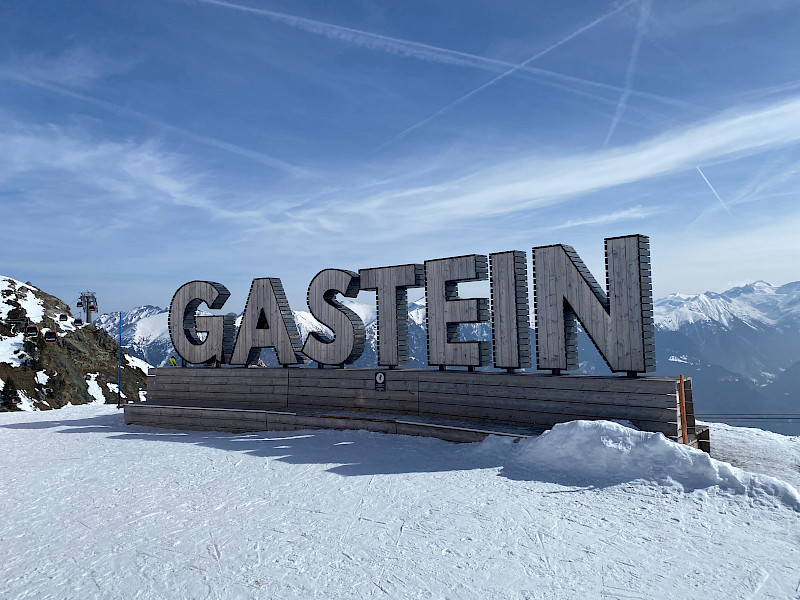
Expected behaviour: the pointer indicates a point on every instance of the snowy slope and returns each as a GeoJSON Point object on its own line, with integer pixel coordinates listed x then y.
{"type": "Point", "coordinates": [345, 514]}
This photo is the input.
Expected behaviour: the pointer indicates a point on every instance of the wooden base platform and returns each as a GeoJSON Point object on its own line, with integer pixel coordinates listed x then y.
{"type": "Point", "coordinates": [455, 404]}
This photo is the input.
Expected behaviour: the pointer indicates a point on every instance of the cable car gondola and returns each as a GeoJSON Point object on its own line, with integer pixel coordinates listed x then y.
{"type": "Point", "coordinates": [50, 336]}
{"type": "Point", "coordinates": [31, 331]}
{"type": "Point", "coordinates": [93, 307]}
{"type": "Point", "coordinates": [62, 317]}
{"type": "Point", "coordinates": [79, 304]}
{"type": "Point", "coordinates": [78, 322]}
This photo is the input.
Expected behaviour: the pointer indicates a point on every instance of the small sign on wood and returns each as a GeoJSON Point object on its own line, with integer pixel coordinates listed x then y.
{"type": "Point", "coordinates": [380, 382]}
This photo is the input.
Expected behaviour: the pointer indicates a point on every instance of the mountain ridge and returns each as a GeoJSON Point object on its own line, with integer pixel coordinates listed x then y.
{"type": "Point", "coordinates": [80, 367]}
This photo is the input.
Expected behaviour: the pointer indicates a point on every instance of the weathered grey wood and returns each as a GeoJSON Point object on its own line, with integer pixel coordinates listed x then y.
{"type": "Point", "coordinates": [515, 417]}
{"type": "Point", "coordinates": [445, 310]}
{"type": "Point", "coordinates": [488, 399]}
{"type": "Point", "coordinates": [647, 385]}
{"type": "Point", "coordinates": [511, 343]}
{"type": "Point", "coordinates": [461, 405]}
{"type": "Point", "coordinates": [185, 326]}
{"type": "Point", "coordinates": [198, 419]}
{"type": "Point", "coordinates": [475, 393]}
{"type": "Point", "coordinates": [347, 327]}
{"type": "Point", "coordinates": [334, 403]}
{"type": "Point", "coordinates": [267, 322]}
{"type": "Point", "coordinates": [391, 285]}
{"type": "Point", "coordinates": [615, 320]}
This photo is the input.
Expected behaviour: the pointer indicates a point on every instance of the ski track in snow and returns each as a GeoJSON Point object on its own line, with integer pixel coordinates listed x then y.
{"type": "Point", "coordinates": [96, 509]}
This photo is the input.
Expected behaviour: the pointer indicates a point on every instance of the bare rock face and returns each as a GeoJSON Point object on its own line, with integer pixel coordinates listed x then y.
{"type": "Point", "coordinates": [80, 367]}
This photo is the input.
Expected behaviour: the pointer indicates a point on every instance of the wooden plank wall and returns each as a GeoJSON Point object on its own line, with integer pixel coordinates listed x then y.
{"type": "Point", "coordinates": [489, 398]}
{"type": "Point", "coordinates": [241, 421]}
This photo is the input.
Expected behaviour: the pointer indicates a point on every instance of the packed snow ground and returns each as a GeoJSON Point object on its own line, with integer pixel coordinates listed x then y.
{"type": "Point", "coordinates": [96, 509]}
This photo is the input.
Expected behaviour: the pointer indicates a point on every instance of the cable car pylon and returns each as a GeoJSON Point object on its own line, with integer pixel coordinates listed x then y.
{"type": "Point", "coordinates": [88, 302]}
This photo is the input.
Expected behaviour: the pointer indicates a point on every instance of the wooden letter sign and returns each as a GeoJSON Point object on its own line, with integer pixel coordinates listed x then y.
{"type": "Point", "coordinates": [618, 319]}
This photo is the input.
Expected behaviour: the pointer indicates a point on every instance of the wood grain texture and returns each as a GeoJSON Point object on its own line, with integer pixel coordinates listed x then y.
{"type": "Point", "coordinates": [618, 320]}
{"type": "Point", "coordinates": [511, 341]}
{"type": "Point", "coordinates": [185, 326]}
{"type": "Point", "coordinates": [347, 327]}
{"type": "Point", "coordinates": [445, 311]}
{"type": "Point", "coordinates": [267, 322]}
{"type": "Point", "coordinates": [485, 398]}
{"type": "Point", "coordinates": [391, 285]}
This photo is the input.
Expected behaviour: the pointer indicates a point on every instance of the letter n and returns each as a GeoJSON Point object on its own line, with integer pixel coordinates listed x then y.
{"type": "Point", "coordinates": [618, 320]}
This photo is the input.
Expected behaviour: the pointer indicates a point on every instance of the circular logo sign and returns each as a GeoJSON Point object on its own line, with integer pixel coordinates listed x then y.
{"type": "Point", "coordinates": [380, 377]}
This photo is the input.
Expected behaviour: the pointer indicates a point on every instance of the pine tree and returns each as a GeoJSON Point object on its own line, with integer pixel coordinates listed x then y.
{"type": "Point", "coordinates": [9, 397]}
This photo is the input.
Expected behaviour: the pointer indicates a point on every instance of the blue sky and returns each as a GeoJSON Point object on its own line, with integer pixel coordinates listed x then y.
{"type": "Point", "coordinates": [151, 143]}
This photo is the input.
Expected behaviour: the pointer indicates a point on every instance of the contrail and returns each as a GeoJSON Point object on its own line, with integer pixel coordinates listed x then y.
{"type": "Point", "coordinates": [644, 13]}
{"type": "Point", "coordinates": [725, 206]}
{"type": "Point", "coordinates": [514, 69]}
{"type": "Point", "coordinates": [260, 157]}
{"type": "Point", "coordinates": [427, 52]}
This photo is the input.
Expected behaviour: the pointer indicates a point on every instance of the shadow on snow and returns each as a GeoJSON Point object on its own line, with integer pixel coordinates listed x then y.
{"type": "Point", "coordinates": [349, 452]}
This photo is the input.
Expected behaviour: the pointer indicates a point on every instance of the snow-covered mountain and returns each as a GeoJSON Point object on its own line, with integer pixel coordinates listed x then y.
{"type": "Point", "coordinates": [145, 332]}
{"type": "Point", "coordinates": [79, 366]}
{"type": "Point", "coordinates": [741, 347]}
{"type": "Point", "coordinates": [753, 330]}
{"type": "Point", "coordinates": [755, 305]}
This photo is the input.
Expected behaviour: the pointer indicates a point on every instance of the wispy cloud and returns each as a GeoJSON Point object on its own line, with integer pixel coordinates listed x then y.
{"type": "Point", "coordinates": [428, 52]}
{"type": "Point", "coordinates": [772, 90]}
{"type": "Point", "coordinates": [77, 67]}
{"type": "Point", "coordinates": [765, 181]}
{"type": "Point", "coordinates": [641, 26]}
{"type": "Point", "coordinates": [260, 157]}
{"type": "Point", "coordinates": [514, 69]}
{"type": "Point", "coordinates": [538, 181]}
{"type": "Point", "coordinates": [67, 167]}
{"type": "Point", "coordinates": [628, 214]}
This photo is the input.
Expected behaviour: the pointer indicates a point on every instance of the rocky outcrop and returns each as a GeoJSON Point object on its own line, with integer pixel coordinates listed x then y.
{"type": "Point", "coordinates": [80, 367]}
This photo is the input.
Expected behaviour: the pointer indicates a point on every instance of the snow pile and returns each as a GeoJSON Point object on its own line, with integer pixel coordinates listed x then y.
{"type": "Point", "coordinates": [137, 363]}
{"type": "Point", "coordinates": [112, 387]}
{"type": "Point", "coordinates": [11, 350]}
{"type": "Point", "coordinates": [95, 391]}
{"type": "Point", "coordinates": [25, 401]}
{"type": "Point", "coordinates": [24, 295]}
{"type": "Point", "coordinates": [606, 453]}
